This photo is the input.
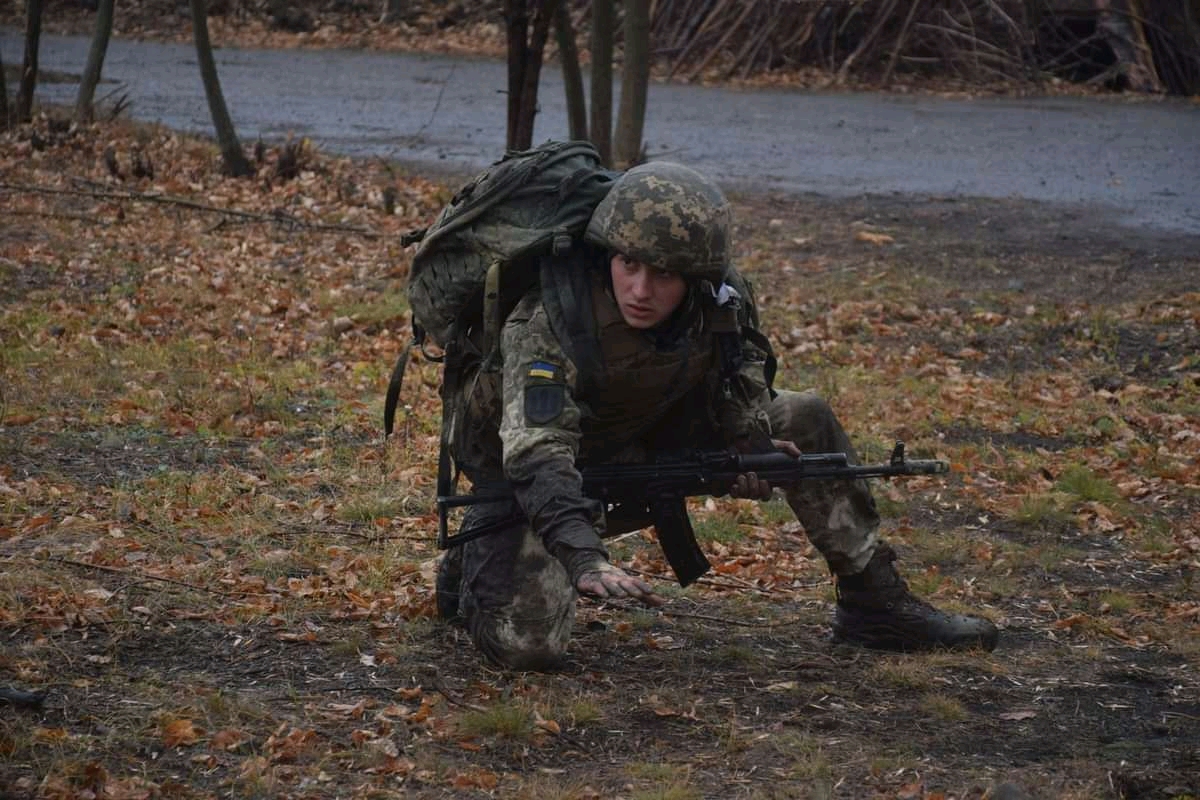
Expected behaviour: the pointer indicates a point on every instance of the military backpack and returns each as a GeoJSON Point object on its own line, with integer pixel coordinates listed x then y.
{"type": "Point", "coordinates": [480, 255]}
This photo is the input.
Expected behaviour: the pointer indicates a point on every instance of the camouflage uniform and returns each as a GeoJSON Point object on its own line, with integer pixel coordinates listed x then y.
{"type": "Point", "coordinates": [532, 418]}
{"type": "Point", "coordinates": [517, 596]}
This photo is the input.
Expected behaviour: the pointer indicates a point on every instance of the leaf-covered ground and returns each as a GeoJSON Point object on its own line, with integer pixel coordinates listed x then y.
{"type": "Point", "coordinates": [219, 572]}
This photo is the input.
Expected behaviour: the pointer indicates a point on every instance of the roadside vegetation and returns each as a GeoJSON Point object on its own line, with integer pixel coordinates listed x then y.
{"type": "Point", "coordinates": [964, 46]}
{"type": "Point", "coordinates": [219, 572]}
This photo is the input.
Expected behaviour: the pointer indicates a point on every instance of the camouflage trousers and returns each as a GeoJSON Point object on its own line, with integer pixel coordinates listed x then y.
{"type": "Point", "coordinates": [518, 602]}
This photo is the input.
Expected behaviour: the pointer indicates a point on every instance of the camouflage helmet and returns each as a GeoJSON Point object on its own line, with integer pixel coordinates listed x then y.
{"type": "Point", "coordinates": [667, 216]}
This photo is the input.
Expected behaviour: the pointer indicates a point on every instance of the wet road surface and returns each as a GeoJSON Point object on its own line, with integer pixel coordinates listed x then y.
{"type": "Point", "coordinates": [1137, 162]}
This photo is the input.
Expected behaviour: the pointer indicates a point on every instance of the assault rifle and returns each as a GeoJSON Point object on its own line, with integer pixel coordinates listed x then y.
{"type": "Point", "coordinates": [656, 492]}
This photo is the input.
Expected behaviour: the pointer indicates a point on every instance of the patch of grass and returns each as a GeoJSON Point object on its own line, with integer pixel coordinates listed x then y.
{"type": "Point", "coordinates": [652, 771]}
{"type": "Point", "coordinates": [1118, 602]}
{"type": "Point", "coordinates": [1084, 484]}
{"type": "Point", "coordinates": [901, 673]}
{"type": "Point", "coordinates": [937, 547]}
{"type": "Point", "coordinates": [668, 782]}
{"type": "Point", "coordinates": [504, 719]}
{"type": "Point", "coordinates": [736, 653]}
{"type": "Point", "coordinates": [925, 582]}
{"type": "Point", "coordinates": [804, 757]}
{"type": "Point", "coordinates": [1155, 535]}
{"type": "Point", "coordinates": [999, 585]}
{"type": "Point", "coordinates": [385, 307]}
{"type": "Point", "coordinates": [368, 507]}
{"type": "Point", "coordinates": [1047, 509]}
{"type": "Point", "coordinates": [350, 644]}
{"type": "Point", "coordinates": [776, 511]}
{"type": "Point", "coordinates": [581, 711]}
{"type": "Point", "coordinates": [718, 527]}
{"type": "Point", "coordinates": [890, 507]}
{"type": "Point", "coordinates": [549, 787]}
{"type": "Point", "coordinates": [943, 707]}
{"type": "Point", "coordinates": [673, 791]}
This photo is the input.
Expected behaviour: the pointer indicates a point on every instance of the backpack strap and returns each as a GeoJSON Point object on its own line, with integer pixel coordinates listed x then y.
{"type": "Point", "coordinates": [392, 398]}
{"type": "Point", "coordinates": [723, 322]}
{"type": "Point", "coordinates": [451, 378]}
{"type": "Point", "coordinates": [726, 321]}
{"type": "Point", "coordinates": [566, 285]}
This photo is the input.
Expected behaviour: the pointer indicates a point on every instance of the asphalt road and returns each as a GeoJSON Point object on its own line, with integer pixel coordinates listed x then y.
{"type": "Point", "coordinates": [1137, 162]}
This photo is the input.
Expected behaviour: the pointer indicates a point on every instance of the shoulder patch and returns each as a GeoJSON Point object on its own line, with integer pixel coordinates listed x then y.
{"type": "Point", "coordinates": [545, 392]}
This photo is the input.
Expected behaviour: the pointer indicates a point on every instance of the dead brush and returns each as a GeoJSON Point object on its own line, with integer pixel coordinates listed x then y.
{"type": "Point", "coordinates": [1129, 43]}
{"type": "Point", "coordinates": [293, 157]}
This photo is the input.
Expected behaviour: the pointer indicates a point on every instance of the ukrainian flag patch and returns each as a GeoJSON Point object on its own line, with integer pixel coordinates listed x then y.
{"type": "Point", "coordinates": [544, 370]}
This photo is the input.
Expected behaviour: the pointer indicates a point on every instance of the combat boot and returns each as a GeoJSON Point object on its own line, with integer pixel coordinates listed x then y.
{"type": "Point", "coordinates": [875, 609]}
{"type": "Point", "coordinates": [448, 584]}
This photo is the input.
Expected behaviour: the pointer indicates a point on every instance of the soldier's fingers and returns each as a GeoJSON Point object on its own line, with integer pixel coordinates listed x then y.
{"type": "Point", "coordinates": [643, 592]}
{"type": "Point", "coordinates": [615, 586]}
{"type": "Point", "coordinates": [651, 599]}
{"type": "Point", "coordinates": [591, 586]}
{"type": "Point", "coordinates": [784, 446]}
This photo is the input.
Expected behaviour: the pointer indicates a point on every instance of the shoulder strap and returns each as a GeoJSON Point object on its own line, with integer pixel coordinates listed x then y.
{"type": "Point", "coordinates": [566, 283]}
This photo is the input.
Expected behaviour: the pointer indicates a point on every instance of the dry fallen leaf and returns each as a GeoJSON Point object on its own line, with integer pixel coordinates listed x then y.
{"type": "Point", "coordinates": [181, 733]}
{"type": "Point", "coordinates": [1018, 715]}
{"type": "Point", "coordinates": [870, 237]}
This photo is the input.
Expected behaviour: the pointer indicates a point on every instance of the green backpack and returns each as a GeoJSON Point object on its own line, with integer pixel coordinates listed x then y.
{"type": "Point", "coordinates": [479, 257]}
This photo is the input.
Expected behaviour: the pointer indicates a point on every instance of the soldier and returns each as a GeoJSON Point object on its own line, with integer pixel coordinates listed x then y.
{"type": "Point", "coordinates": [658, 291]}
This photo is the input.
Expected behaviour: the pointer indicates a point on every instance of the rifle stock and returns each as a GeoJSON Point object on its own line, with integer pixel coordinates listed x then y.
{"type": "Point", "coordinates": [657, 490]}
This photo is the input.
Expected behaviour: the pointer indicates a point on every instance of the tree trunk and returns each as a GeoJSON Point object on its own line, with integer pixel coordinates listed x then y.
{"type": "Point", "coordinates": [1120, 23]}
{"type": "Point", "coordinates": [568, 53]}
{"type": "Point", "coordinates": [29, 70]}
{"type": "Point", "coordinates": [602, 77]}
{"type": "Point", "coordinates": [231, 149]}
{"type": "Point", "coordinates": [95, 61]}
{"type": "Point", "coordinates": [635, 78]}
{"type": "Point", "coordinates": [3, 98]}
{"type": "Point", "coordinates": [526, 48]}
{"type": "Point", "coordinates": [393, 10]}
{"type": "Point", "coordinates": [516, 21]}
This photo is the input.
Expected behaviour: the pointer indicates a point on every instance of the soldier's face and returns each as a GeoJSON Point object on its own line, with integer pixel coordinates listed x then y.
{"type": "Point", "coordinates": [645, 295]}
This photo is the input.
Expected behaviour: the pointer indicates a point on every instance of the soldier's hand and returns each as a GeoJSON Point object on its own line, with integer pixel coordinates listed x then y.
{"type": "Point", "coordinates": [784, 446]}
{"type": "Point", "coordinates": [751, 487]}
{"type": "Point", "coordinates": [605, 581]}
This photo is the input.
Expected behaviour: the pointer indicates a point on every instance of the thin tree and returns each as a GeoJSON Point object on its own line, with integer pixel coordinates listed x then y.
{"type": "Point", "coordinates": [235, 160]}
{"type": "Point", "coordinates": [3, 98]}
{"type": "Point", "coordinates": [527, 35]}
{"type": "Point", "coordinates": [29, 70]}
{"type": "Point", "coordinates": [635, 79]}
{"type": "Point", "coordinates": [568, 54]}
{"type": "Point", "coordinates": [393, 10]}
{"type": "Point", "coordinates": [95, 61]}
{"type": "Point", "coordinates": [602, 77]}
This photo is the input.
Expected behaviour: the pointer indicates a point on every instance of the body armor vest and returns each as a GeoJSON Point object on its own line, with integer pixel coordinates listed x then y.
{"type": "Point", "coordinates": [641, 380]}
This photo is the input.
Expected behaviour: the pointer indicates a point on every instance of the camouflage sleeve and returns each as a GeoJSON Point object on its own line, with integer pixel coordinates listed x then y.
{"type": "Point", "coordinates": [540, 435]}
